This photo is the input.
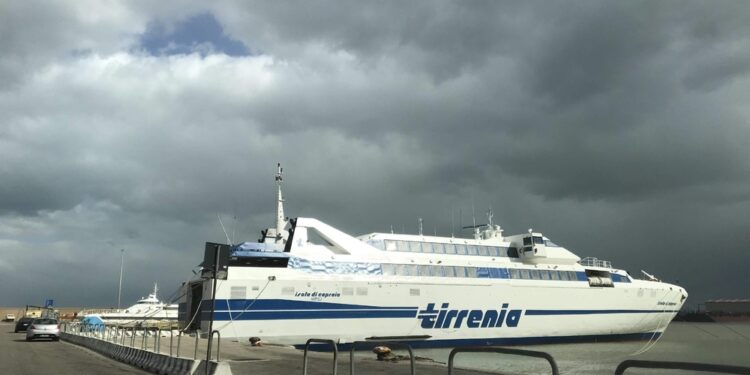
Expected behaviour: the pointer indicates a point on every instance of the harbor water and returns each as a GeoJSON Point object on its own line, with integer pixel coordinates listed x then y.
{"type": "Point", "coordinates": [719, 343]}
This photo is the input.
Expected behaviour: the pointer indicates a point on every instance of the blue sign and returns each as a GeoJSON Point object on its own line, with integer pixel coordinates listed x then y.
{"type": "Point", "coordinates": [49, 302]}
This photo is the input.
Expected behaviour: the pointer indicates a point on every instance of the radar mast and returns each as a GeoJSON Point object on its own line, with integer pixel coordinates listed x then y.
{"type": "Point", "coordinates": [280, 221]}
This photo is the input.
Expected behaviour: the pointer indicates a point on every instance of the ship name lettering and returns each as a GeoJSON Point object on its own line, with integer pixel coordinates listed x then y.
{"type": "Point", "coordinates": [446, 318]}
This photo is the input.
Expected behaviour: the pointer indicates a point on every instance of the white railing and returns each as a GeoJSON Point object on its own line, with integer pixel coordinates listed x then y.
{"type": "Point", "coordinates": [594, 262]}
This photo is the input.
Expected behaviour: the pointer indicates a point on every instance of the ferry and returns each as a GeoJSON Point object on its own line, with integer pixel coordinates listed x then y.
{"type": "Point", "coordinates": [149, 309]}
{"type": "Point", "coordinates": [306, 279]}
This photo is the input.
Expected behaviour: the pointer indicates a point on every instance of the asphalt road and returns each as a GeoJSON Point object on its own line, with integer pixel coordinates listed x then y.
{"type": "Point", "coordinates": [18, 357]}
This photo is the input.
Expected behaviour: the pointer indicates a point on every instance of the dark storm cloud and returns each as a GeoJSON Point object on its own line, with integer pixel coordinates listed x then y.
{"type": "Point", "coordinates": [618, 129]}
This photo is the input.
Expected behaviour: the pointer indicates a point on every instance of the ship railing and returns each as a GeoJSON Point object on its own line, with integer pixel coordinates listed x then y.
{"type": "Point", "coordinates": [372, 344]}
{"type": "Point", "coordinates": [320, 341]}
{"type": "Point", "coordinates": [689, 366]}
{"type": "Point", "coordinates": [492, 349]}
{"type": "Point", "coordinates": [595, 262]}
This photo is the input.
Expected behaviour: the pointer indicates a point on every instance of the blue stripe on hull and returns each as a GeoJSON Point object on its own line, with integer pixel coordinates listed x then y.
{"type": "Point", "coordinates": [280, 309]}
{"type": "Point", "coordinates": [507, 341]}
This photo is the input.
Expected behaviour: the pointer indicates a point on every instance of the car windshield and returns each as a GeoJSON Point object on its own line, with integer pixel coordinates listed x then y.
{"type": "Point", "coordinates": [45, 321]}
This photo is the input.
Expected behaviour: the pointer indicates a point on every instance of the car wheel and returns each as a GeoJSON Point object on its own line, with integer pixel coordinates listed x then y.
{"type": "Point", "coordinates": [56, 339]}
{"type": "Point", "coordinates": [15, 331]}
{"type": "Point", "coordinates": [28, 339]}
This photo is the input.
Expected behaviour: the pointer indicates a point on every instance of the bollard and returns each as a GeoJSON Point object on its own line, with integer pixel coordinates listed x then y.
{"type": "Point", "coordinates": [143, 341]}
{"type": "Point", "coordinates": [171, 339]}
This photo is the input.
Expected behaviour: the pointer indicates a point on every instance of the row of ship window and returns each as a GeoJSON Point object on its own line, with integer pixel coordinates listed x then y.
{"type": "Point", "coordinates": [480, 272]}
{"type": "Point", "coordinates": [445, 248]}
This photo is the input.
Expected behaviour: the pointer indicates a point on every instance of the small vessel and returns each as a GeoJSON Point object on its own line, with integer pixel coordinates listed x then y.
{"type": "Point", "coordinates": [146, 309]}
{"type": "Point", "coordinates": [306, 279]}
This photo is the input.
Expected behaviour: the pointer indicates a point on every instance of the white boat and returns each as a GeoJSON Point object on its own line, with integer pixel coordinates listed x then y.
{"type": "Point", "coordinates": [146, 309]}
{"type": "Point", "coordinates": [306, 279]}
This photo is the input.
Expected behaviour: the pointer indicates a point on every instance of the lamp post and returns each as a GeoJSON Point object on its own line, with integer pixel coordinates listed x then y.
{"type": "Point", "coordinates": [119, 289]}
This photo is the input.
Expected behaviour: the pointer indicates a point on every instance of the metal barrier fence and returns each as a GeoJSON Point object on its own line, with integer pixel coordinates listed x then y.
{"type": "Point", "coordinates": [373, 344]}
{"type": "Point", "coordinates": [664, 365]}
{"type": "Point", "coordinates": [218, 344]}
{"type": "Point", "coordinates": [320, 341]}
{"type": "Point", "coordinates": [491, 349]}
{"type": "Point", "coordinates": [120, 335]}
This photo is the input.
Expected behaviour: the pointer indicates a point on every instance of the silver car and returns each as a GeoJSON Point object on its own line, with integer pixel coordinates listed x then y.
{"type": "Point", "coordinates": [43, 328]}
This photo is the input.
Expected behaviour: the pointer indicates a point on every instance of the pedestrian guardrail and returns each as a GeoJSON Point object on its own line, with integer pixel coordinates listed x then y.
{"type": "Point", "coordinates": [492, 349]}
{"type": "Point", "coordinates": [320, 341]}
{"type": "Point", "coordinates": [690, 366]}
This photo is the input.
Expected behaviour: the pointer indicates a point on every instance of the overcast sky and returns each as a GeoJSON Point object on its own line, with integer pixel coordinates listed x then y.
{"type": "Point", "coordinates": [618, 129]}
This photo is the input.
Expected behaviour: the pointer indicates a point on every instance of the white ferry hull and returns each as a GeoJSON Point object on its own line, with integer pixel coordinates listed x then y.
{"type": "Point", "coordinates": [290, 311]}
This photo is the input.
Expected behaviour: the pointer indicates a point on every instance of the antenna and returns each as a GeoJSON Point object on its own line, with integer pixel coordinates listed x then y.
{"type": "Point", "coordinates": [391, 228]}
{"type": "Point", "coordinates": [224, 229]}
{"type": "Point", "coordinates": [419, 220]}
{"type": "Point", "coordinates": [473, 214]}
{"type": "Point", "coordinates": [490, 215]}
{"type": "Point", "coordinates": [453, 224]}
{"type": "Point", "coordinates": [234, 229]}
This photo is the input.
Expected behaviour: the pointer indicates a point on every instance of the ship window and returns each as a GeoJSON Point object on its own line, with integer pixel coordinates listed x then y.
{"type": "Point", "coordinates": [427, 247]}
{"type": "Point", "coordinates": [471, 249]}
{"type": "Point", "coordinates": [402, 246]}
{"type": "Point", "coordinates": [347, 291]}
{"type": "Point", "coordinates": [415, 247]}
{"type": "Point", "coordinates": [423, 270]}
{"type": "Point", "coordinates": [461, 249]}
{"type": "Point", "coordinates": [563, 275]}
{"type": "Point", "coordinates": [378, 244]}
{"type": "Point", "coordinates": [527, 241]}
{"type": "Point", "coordinates": [471, 272]}
{"type": "Point", "coordinates": [450, 248]}
{"type": "Point", "coordinates": [544, 274]}
{"type": "Point", "coordinates": [439, 248]}
{"type": "Point", "coordinates": [555, 275]}
{"type": "Point", "coordinates": [238, 292]}
{"type": "Point", "coordinates": [411, 270]}
{"type": "Point", "coordinates": [287, 290]}
{"type": "Point", "coordinates": [535, 274]}
{"type": "Point", "coordinates": [436, 271]}
{"type": "Point", "coordinates": [513, 273]}
{"type": "Point", "coordinates": [361, 291]}
{"type": "Point", "coordinates": [413, 292]}
{"type": "Point", "coordinates": [389, 269]}
{"type": "Point", "coordinates": [525, 274]}
{"type": "Point", "coordinates": [572, 275]}
{"type": "Point", "coordinates": [449, 271]}
{"type": "Point", "coordinates": [391, 245]}
{"type": "Point", "coordinates": [401, 269]}
{"type": "Point", "coordinates": [460, 271]}
{"type": "Point", "coordinates": [539, 240]}
{"type": "Point", "coordinates": [513, 252]}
